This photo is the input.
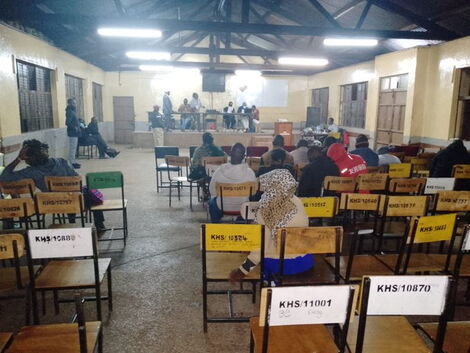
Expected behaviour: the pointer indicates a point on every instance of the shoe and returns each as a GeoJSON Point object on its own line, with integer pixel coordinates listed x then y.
{"type": "Point", "coordinates": [76, 165]}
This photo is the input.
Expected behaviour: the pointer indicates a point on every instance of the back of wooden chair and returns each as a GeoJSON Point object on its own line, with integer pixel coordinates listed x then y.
{"type": "Point", "coordinates": [64, 183]}
{"type": "Point", "coordinates": [236, 190]}
{"type": "Point", "coordinates": [373, 169]}
{"type": "Point", "coordinates": [400, 170]}
{"type": "Point", "coordinates": [434, 185]}
{"type": "Point", "coordinates": [452, 201]}
{"type": "Point", "coordinates": [214, 160]}
{"type": "Point", "coordinates": [406, 206]}
{"type": "Point", "coordinates": [339, 184]}
{"type": "Point", "coordinates": [60, 203]}
{"type": "Point", "coordinates": [254, 163]}
{"type": "Point", "coordinates": [17, 208]}
{"type": "Point", "coordinates": [320, 207]}
{"type": "Point", "coordinates": [407, 186]}
{"type": "Point", "coordinates": [461, 171]}
{"type": "Point", "coordinates": [427, 155]}
{"type": "Point", "coordinates": [372, 182]}
{"type": "Point", "coordinates": [177, 161]}
{"type": "Point", "coordinates": [420, 164]}
{"type": "Point", "coordinates": [298, 170]}
{"type": "Point", "coordinates": [17, 188]}
{"type": "Point", "coordinates": [361, 202]}
{"type": "Point", "coordinates": [12, 246]}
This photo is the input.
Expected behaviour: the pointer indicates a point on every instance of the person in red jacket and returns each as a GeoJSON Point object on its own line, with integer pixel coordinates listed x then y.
{"type": "Point", "coordinates": [349, 165]}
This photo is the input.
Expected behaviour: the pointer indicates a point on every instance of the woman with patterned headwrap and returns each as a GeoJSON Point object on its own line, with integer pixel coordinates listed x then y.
{"type": "Point", "coordinates": [278, 208]}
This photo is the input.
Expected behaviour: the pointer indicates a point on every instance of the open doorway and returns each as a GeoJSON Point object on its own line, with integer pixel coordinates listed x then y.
{"type": "Point", "coordinates": [462, 126]}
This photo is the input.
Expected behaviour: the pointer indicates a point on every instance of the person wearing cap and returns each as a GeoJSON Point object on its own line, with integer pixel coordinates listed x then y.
{"type": "Point", "coordinates": [362, 149]}
{"type": "Point", "coordinates": [385, 157]}
{"type": "Point", "coordinates": [278, 144]}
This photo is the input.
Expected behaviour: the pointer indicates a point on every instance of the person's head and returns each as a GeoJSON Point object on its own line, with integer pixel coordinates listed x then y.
{"type": "Point", "coordinates": [314, 152]}
{"type": "Point", "coordinates": [207, 138]}
{"type": "Point", "coordinates": [278, 157]}
{"type": "Point", "coordinates": [81, 120]}
{"type": "Point", "coordinates": [195, 95]}
{"type": "Point", "coordinates": [384, 150]}
{"type": "Point", "coordinates": [302, 143]}
{"type": "Point", "coordinates": [278, 141]}
{"type": "Point", "coordinates": [337, 152]}
{"type": "Point", "coordinates": [185, 101]}
{"type": "Point", "coordinates": [244, 104]}
{"type": "Point", "coordinates": [167, 93]}
{"type": "Point", "coordinates": [362, 141]}
{"type": "Point", "coordinates": [253, 107]}
{"type": "Point", "coordinates": [93, 120]}
{"type": "Point", "coordinates": [230, 104]}
{"type": "Point", "coordinates": [36, 152]}
{"type": "Point", "coordinates": [156, 108]}
{"type": "Point", "coordinates": [237, 154]}
{"type": "Point", "coordinates": [331, 121]}
{"type": "Point", "coordinates": [328, 141]}
{"type": "Point", "coordinates": [71, 102]}
{"type": "Point", "coordinates": [457, 146]}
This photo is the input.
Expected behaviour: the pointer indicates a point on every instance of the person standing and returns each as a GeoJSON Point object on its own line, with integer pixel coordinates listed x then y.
{"type": "Point", "coordinates": [229, 119]}
{"type": "Point", "coordinates": [167, 110]}
{"type": "Point", "coordinates": [244, 119]}
{"type": "Point", "coordinates": [157, 124]}
{"type": "Point", "coordinates": [196, 106]}
{"type": "Point", "coordinates": [186, 118]}
{"type": "Point", "coordinates": [73, 130]}
{"type": "Point", "coordinates": [254, 121]}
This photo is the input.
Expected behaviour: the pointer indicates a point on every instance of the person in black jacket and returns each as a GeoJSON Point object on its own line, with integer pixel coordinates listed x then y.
{"type": "Point", "coordinates": [93, 133]}
{"type": "Point", "coordinates": [73, 130]}
{"type": "Point", "coordinates": [314, 173]}
{"type": "Point", "coordinates": [444, 161]}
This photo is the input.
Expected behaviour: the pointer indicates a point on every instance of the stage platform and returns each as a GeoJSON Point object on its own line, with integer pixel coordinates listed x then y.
{"type": "Point", "coordinates": [144, 139]}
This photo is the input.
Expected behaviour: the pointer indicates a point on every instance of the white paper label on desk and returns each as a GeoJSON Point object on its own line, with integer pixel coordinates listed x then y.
{"type": "Point", "coordinates": [60, 243]}
{"type": "Point", "coordinates": [407, 295]}
{"type": "Point", "coordinates": [466, 242]}
{"type": "Point", "coordinates": [308, 305]}
{"type": "Point", "coordinates": [434, 185]}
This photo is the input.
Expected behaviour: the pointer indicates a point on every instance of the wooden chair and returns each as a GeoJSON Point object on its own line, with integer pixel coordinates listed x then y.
{"type": "Point", "coordinates": [54, 203]}
{"type": "Point", "coordinates": [339, 184]}
{"type": "Point", "coordinates": [224, 248]}
{"type": "Point", "coordinates": [310, 240]}
{"type": "Point", "coordinates": [212, 163]}
{"type": "Point", "coordinates": [248, 210]}
{"type": "Point", "coordinates": [181, 180]}
{"type": "Point", "coordinates": [298, 170]}
{"type": "Point", "coordinates": [424, 230]}
{"type": "Point", "coordinates": [73, 264]}
{"type": "Point", "coordinates": [434, 185]}
{"type": "Point", "coordinates": [5, 338]}
{"type": "Point", "coordinates": [86, 149]}
{"type": "Point", "coordinates": [420, 164]}
{"type": "Point", "coordinates": [413, 186]}
{"type": "Point", "coordinates": [320, 209]}
{"type": "Point", "coordinates": [462, 262]}
{"type": "Point", "coordinates": [160, 153]}
{"type": "Point", "coordinates": [14, 278]}
{"type": "Point", "coordinates": [353, 267]}
{"type": "Point", "coordinates": [110, 180]}
{"type": "Point", "coordinates": [457, 335]}
{"type": "Point", "coordinates": [240, 190]}
{"type": "Point", "coordinates": [64, 183]}
{"type": "Point", "coordinates": [18, 188]}
{"type": "Point", "coordinates": [192, 149]}
{"type": "Point", "coordinates": [80, 337]}
{"type": "Point", "coordinates": [401, 170]}
{"type": "Point", "coordinates": [373, 170]}
{"type": "Point", "coordinates": [461, 171]}
{"type": "Point", "coordinates": [382, 326]}
{"type": "Point", "coordinates": [453, 201]}
{"type": "Point", "coordinates": [276, 331]}
{"type": "Point", "coordinates": [256, 151]}
{"type": "Point", "coordinates": [254, 163]}
{"type": "Point", "coordinates": [21, 210]}
{"type": "Point", "coordinates": [372, 182]}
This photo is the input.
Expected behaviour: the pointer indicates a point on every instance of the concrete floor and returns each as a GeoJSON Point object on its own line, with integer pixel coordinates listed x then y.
{"type": "Point", "coordinates": [157, 279]}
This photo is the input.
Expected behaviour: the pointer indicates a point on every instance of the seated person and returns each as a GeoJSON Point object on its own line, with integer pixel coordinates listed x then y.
{"type": "Point", "coordinates": [332, 127]}
{"type": "Point", "coordinates": [93, 134]}
{"type": "Point", "coordinates": [36, 156]}
{"type": "Point", "coordinates": [349, 165]}
{"type": "Point", "coordinates": [313, 174]}
{"type": "Point", "coordinates": [278, 144]}
{"type": "Point", "coordinates": [278, 208]}
{"type": "Point", "coordinates": [208, 149]}
{"type": "Point", "coordinates": [300, 154]}
{"type": "Point", "coordinates": [385, 158]}
{"type": "Point", "coordinates": [327, 142]}
{"type": "Point", "coordinates": [235, 172]}
{"type": "Point", "coordinates": [277, 158]}
{"type": "Point", "coordinates": [362, 149]}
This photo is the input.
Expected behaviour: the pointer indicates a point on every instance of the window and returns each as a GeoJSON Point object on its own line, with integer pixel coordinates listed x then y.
{"type": "Point", "coordinates": [353, 105]}
{"type": "Point", "coordinates": [98, 101]}
{"type": "Point", "coordinates": [74, 89]}
{"type": "Point", "coordinates": [394, 83]}
{"type": "Point", "coordinates": [34, 90]}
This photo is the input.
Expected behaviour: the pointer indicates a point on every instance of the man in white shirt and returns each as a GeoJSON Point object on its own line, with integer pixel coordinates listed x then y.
{"type": "Point", "coordinates": [235, 172]}
{"type": "Point", "coordinates": [300, 154]}
{"type": "Point", "coordinates": [229, 119]}
{"type": "Point", "coordinates": [385, 158]}
{"type": "Point", "coordinates": [196, 106]}
{"type": "Point", "coordinates": [332, 127]}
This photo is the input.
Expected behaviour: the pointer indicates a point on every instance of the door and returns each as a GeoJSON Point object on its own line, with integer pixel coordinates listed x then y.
{"type": "Point", "coordinates": [392, 107]}
{"type": "Point", "coordinates": [320, 100]}
{"type": "Point", "coordinates": [124, 119]}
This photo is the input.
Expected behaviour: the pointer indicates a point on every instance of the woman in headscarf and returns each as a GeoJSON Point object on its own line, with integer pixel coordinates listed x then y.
{"type": "Point", "coordinates": [278, 208]}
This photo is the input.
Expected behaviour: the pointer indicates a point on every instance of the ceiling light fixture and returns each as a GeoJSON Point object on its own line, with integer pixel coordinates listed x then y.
{"type": "Point", "coordinates": [156, 68]}
{"type": "Point", "coordinates": [303, 61]}
{"type": "Point", "coordinates": [350, 42]}
{"type": "Point", "coordinates": [148, 55]}
{"type": "Point", "coordinates": [130, 32]}
{"type": "Point", "coordinates": [248, 73]}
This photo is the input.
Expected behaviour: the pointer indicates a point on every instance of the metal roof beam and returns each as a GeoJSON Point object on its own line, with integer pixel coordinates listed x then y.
{"type": "Point", "coordinates": [325, 13]}
{"type": "Point", "coordinates": [364, 13]}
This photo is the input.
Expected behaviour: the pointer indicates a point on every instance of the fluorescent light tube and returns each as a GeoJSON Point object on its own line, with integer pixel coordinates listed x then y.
{"type": "Point", "coordinates": [303, 61]}
{"type": "Point", "coordinates": [350, 42]}
{"type": "Point", "coordinates": [165, 68]}
{"type": "Point", "coordinates": [148, 55]}
{"type": "Point", "coordinates": [130, 32]}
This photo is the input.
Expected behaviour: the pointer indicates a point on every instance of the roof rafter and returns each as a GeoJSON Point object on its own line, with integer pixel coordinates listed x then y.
{"type": "Point", "coordinates": [325, 13]}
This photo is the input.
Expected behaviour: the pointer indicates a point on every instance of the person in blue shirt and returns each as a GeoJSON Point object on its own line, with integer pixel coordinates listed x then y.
{"type": "Point", "coordinates": [362, 149]}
